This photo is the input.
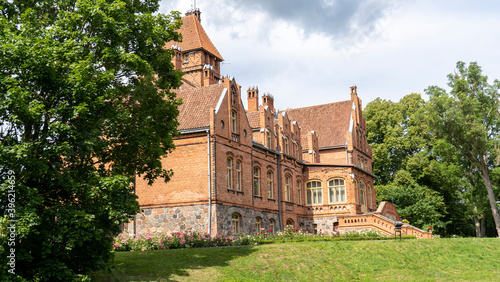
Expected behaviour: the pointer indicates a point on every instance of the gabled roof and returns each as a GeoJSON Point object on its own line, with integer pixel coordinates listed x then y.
{"type": "Point", "coordinates": [329, 121]}
{"type": "Point", "coordinates": [254, 119]}
{"type": "Point", "coordinates": [194, 37]}
{"type": "Point", "coordinates": [195, 109]}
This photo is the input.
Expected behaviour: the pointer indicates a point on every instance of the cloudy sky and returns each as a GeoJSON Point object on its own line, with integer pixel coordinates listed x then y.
{"type": "Point", "coordinates": [309, 52]}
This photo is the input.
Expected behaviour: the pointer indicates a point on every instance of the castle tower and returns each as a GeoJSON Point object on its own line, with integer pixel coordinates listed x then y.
{"type": "Point", "coordinates": [199, 59]}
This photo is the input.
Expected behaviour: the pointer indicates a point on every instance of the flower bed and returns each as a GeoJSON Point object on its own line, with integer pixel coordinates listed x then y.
{"type": "Point", "coordinates": [195, 239]}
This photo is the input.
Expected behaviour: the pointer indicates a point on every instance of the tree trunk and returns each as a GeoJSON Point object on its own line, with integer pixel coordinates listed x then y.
{"type": "Point", "coordinates": [485, 175]}
{"type": "Point", "coordinates": [483, 227]}
{"type": "Point", "coordinates": [477, 225]}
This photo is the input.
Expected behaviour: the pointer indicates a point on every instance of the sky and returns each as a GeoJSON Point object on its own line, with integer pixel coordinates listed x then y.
{"type": "Point", "coordinates": [310, 52]}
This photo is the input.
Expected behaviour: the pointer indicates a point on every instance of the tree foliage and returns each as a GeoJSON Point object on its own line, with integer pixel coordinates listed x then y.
{"type": "Point", "coordinates": [84, 107]}
{"type": "Point", "coordinates": [424, 187]}
{"type": "Point", "coordinates": [469, 119]}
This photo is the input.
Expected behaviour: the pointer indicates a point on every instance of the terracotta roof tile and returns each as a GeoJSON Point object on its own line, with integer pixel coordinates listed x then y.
{"type": "Point", "coordinates": [329, 121]}
{"type": "Point", "coordinates": [195, 109]}
{"type": "Point", "coordinates": [194, 37]}
{"type": "Point", "coordinates": [253, 119]}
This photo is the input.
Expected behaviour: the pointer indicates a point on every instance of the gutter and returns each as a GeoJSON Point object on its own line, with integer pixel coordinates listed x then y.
{"type": "Point", "coordinates": [194, 130]}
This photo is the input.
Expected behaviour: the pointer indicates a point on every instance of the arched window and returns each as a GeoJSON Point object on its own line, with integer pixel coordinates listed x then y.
{"type": "Point", "coordinates": [238, 175]}
{"type": "Point", "coordinates": [235, 223]}
{"type": "Point", "coordinates": [258, 224]}
{"type": "Point", "coordinates": [233, 121]}
{"type": "Point", "coordinates": [362, 192]}
{"type": "Point", "coordinates": [271, 225]}
{"type": "Point", "coordinates": [288, 183]}
{"type": "Point", "coordinates": [229, 173]}
{"type": "Point", "coordinates": [289, 222]}
{"type": "Point", "coordinates": [336, 191]}
{"type": "Point", "coordinates": [301, 225]}
{"type": "Point", "coordinates": [270, 178]}
{"type": "Point", "coordinates": [256, 181]}
{"type": "Point", "coordinates": [314, 192]}
{"type": "Point", "coordinates": [299, 192]}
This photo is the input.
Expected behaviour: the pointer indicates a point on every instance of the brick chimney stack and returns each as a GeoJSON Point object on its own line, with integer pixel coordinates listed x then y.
{"type": "Point", "coordinates": [268, 100]}
{"type": "Point", "coordinates": [253, 99]}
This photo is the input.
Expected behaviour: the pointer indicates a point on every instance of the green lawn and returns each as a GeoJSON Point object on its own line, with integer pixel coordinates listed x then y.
{"type": "Point", "coordinates": [415, 260]}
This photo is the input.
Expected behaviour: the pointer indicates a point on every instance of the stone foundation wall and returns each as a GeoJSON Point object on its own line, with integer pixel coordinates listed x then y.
{"type": "Point", "coordinates": [247, 220]}
{"type": "Point", "coordinates": [170, 219]}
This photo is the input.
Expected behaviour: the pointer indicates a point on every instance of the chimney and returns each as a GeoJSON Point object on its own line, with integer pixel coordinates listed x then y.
{"type": "Point", "coordinates": [196, 12]}
{"type": "Point", "coordinates": [253, 99]}
{"type": "Point", "coordinates": [268, 100]}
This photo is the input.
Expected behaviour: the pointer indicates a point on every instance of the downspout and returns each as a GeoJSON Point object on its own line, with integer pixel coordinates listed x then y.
{"type": "Point", "coordinates": [346, 155]}
{"type": "Point", "coordinates": [209, 185]}
{"type": "Point", "coordinates": [279, 190]}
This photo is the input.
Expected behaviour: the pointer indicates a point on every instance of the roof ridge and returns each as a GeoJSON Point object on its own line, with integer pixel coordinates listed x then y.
{"type": "Point", "coordinates": [319, 105]}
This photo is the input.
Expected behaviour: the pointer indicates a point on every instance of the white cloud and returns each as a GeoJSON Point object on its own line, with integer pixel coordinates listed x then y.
{"type": "Point", "coordinates": [311, 54]}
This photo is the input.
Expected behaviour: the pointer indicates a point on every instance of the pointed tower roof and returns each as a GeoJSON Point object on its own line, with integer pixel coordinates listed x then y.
{"type": "Point", "coordinates": [194, 36]}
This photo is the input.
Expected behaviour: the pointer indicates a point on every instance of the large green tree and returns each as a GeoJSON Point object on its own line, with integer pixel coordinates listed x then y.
{"type": "Point", "coordinates": [84, 107]}
{"type": "Point", "coordinates": [424, 187]}
{"type": "Point", "coordinates": [469, 119]}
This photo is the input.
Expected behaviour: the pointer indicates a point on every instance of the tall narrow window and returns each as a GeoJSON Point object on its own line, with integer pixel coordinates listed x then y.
{"type": "Point", "coordinates": [269, 140]}
{"type": "Point", "coordinates": [233, 121]}
{"type": "Point", "coordinates": [229, 173]}
{"type": "Point", "coordinates": [238, 175]}
{"type": "Point", "coordinates": [362, 192]}
{"type": "Point", "coordinates": [356, 191]}
{"type": "Point", "coordinates": [235, 223]}
{"type": "Point", "coordinates": [369, 197]}
{"type": "Point", "coordinates": [314, 193]}
{"type": "Point", "coordinates": [336, 191]}
{"type": "Point", "coordinates": [299, 192]}
{"type": "Point", "coordinates": [288, 181]}
{"type": "Point", "coordinates": [258, 224]}
{"type": "Point", "coordinates": [256, 181]}
{"type": "Point", "coordinates": [287, 146]}
{"type": "Point", "coordinates": [270, 177]}
{"type": "Point", "coordinates": [271, 225]}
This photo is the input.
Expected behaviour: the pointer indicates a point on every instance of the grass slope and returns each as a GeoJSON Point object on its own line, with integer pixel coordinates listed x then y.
{"type": "Point", "coordinates": [415, 260]}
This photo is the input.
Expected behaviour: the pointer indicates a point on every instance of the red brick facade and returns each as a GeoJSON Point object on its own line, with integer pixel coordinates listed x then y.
{"type": "Point", "coordinates": [238, 170]}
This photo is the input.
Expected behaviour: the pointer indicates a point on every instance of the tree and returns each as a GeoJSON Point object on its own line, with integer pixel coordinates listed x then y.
{"type": "Point", "coordinates": [423, 185]}
{"type": "Point", "coordinates": [85, 106]}
{"type": "Point", "coordinates": [469, 119]}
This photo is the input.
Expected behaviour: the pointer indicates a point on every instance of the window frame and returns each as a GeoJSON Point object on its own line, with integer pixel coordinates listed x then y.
{"type": "Point", "coordinates": [256, 181]}
{"type": "Point", "coordinates": [288, 187]}
{"type": "Point", "coordinates": [270, 184]}
{"type": "Point", "coordinates": [258, 224]}
{"type": "Point", "coordinates": [230, 173]}
{"type": "Point", "coordinates": [362, 193]}
{"type": "Point", "coordinates": [310, 193]}
{"type": "Point", "coordinates": [335, 191]}
{"type": "Point", "coordinates": [235, 223]}
{"type": "Point", "coordinates": [238, 175]}
{"type": "Point", "coordinates": [233, 117]}
{"type": "Point", "coordinates": [299, 192]}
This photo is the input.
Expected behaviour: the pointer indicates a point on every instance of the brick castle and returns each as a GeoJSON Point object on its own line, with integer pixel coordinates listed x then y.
{"type": "Point", "coordinates": [240, 170]}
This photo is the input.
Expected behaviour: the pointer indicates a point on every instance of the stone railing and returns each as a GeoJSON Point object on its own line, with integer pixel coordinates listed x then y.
{"type": "Point", "coordinates": [378, 222]}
